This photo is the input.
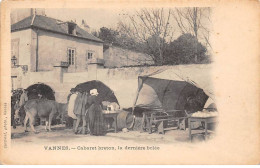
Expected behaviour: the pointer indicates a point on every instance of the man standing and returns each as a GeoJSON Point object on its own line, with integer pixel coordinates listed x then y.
{"type": "Point", "coordinates": [80, 111]}
{"type": "Point", "coordinates": [71, 103]}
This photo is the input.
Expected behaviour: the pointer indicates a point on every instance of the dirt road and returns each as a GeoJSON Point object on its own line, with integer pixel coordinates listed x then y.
{"type": "Point", "coordinates": [61, 134]}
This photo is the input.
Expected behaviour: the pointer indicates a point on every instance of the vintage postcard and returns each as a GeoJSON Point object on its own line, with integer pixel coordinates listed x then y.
{"type": "Point", "coordinates": [130, 82]}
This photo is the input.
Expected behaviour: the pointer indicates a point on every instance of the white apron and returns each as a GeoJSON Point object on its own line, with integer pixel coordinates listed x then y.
{"type": "Point", "coordinates": [71, 106]}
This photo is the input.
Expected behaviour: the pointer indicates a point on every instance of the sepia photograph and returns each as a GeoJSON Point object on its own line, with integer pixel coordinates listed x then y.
{"type": "Point", "coordinates": [122, 83]}
{"type": "Point", "coordinates": [141, 75]}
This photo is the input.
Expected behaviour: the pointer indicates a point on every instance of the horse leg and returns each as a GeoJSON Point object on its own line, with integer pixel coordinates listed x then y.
{"type": "Point", "coordinates": [46, 124]}
{"type": "Point", "coordinates": [50, 119]}
{"type": "Point", "coordinates": [25, 122]}
{"type": "Point", "coordinates": [32, 115]}
{"type": "Point", "coordinates": [31, 119]}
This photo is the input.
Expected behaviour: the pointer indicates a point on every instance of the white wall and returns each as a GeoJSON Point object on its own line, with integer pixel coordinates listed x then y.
{"type": "Point", "coordinates": [25, 42]}
{"type": "Point", "coordinates": [123, 81]}
{"type": "Point", "coordinates": [75, 77]}
{"type": "Point", "coordinates": [53, 49]}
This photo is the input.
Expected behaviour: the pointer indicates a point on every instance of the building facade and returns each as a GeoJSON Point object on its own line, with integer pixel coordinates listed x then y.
{"type": "Point", "coordinates": [41, 42]}
{"type": "Point", "coordinates": [62, 54]}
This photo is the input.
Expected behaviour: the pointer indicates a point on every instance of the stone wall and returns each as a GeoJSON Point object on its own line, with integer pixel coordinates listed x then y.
{"type": "Point", "coordinates": [119, 57]}
{"type": "Point", "coordinates": [123, 81]}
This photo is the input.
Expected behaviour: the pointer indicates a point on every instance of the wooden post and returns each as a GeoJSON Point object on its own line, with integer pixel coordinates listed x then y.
{"type": "Point", "coordinates": [189, 123]}
{"type": "Point", "coordinates": [143, 123]}
{"type": "Point", "coordinates": [206, 129]}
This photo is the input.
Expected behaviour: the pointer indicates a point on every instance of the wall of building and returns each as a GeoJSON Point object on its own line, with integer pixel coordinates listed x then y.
{"type": "Point", "coordinates": [24, 48]}
{"type": "Point", "coordinates": [123, 81]}
{"type": "Point", "coordinates": [119, 57]}
{"type": "Point", "coordinates": [53, 49]}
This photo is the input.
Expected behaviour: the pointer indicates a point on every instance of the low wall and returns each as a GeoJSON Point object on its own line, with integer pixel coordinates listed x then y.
{"type": "Point", "coordinates": [42, 76]}
{"type": "Point", "coordinates": [75, 77]}
{"type": "Point", "coordinates": [123, 81]}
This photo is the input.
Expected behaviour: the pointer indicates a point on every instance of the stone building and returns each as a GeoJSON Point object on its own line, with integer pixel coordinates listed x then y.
{"type": "Point", "coordinates": [62, 54]}
{"type": "Point", "coordinates": [41, 42]}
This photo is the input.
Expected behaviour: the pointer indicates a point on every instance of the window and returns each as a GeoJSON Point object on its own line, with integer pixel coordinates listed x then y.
{"type": "Point", "coordinates": [71, 56]}
{"type": "Point", "coordinates": [90, 55]}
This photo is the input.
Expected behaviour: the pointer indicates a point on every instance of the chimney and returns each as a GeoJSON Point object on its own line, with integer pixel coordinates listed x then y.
{"type": "Point", "coordinates": [38, 11]}
{"type": "Point", "coordinates": [72, 28]}
{"type": "Point", "coordinates": [84, 26]}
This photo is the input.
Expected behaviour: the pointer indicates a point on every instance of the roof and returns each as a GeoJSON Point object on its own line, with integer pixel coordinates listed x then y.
{"type": "Point", "coordinates": [53, 25]}
{"type": "Point", "coordinates": [175, 88]}
{"type": "Point", "coordinates": [197, 74]}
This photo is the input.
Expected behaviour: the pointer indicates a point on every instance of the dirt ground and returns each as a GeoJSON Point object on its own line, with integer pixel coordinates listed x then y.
{"type": "Point", "coordinates": [60, 134]}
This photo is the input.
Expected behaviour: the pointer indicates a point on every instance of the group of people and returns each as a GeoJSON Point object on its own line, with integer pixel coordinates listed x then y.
{"type": "Point", "coordinates": [86, 108]}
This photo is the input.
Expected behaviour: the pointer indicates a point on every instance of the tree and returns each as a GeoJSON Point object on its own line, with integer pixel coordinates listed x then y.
{"type": "Point", "coordinates": [194, 21]}
{"type": "Point", "coordinates": [150, 27]}
{"type": "Point", "coordinates": [108, 35]}
{"type": "Point", "coordinates": [184, 49]}
{"type": "Point", "coordinates": [111, 36]}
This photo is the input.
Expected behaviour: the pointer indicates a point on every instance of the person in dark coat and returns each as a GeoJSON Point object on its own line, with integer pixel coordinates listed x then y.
{"type": "Point", "coordinates": [96, 120]}
{"type": "Point", "coordinates": [80, 111]}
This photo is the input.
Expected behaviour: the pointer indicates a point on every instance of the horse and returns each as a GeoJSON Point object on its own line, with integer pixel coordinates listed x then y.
{"type": "Point", "coordinates": [44, 108]}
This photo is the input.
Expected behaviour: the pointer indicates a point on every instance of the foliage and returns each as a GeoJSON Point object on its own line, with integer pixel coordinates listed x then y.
{"type": "Point", "coordinates": [194, 21]}
{"type": "Point", "coordinates": [140, 34]}
{"type": "Point", "coordinates": [107, 35]}
{"type": "Point", "coordinates": [186, 50]}
{"type": "Point", "coordinates": [110, 36]}
{"type": "Point", "coordinates": [16, 95]}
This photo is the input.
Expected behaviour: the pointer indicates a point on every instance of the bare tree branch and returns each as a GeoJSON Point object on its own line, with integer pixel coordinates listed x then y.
{"type": "Point", "coordinates": [190, 20]}
{"type": "Point", "coordinates": [152, 27]}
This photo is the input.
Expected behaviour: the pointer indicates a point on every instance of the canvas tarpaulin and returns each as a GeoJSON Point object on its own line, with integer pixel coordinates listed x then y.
{"type": "Point", "coordinates": [182, 87]}
{"type": "Point", "coordinates": [105, 93]}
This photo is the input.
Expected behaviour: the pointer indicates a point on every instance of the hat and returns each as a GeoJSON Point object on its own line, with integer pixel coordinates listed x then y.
{"type": "Point", "coordinates": [94, 92]}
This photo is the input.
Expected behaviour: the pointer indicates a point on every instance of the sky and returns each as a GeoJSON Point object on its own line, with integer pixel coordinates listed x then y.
{"type": "Point", "coordinates": [95, 18]}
